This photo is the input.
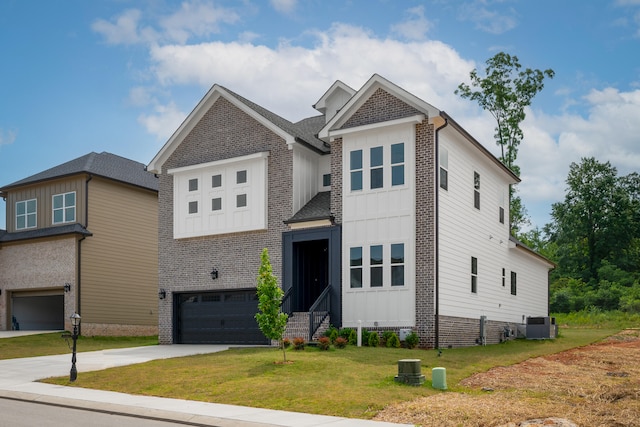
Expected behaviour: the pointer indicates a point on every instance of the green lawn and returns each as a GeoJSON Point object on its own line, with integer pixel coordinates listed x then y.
{"type": "Point", "coordinates": [53, 343]}
{"type": "Point", "coordinates": [354, 382]}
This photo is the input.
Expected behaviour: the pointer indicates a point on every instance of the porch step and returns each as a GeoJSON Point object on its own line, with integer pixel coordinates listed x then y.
{"type": "Point", "coordinates": [298, 326]}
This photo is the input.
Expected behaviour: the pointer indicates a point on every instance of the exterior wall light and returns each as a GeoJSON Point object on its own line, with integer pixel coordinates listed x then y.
{"type": "Point", "coordinates": [162, 294]}
{"type": "Point", "coordinates": [214, 274]}
{"type": "Point", "coordinates": [67, 287]}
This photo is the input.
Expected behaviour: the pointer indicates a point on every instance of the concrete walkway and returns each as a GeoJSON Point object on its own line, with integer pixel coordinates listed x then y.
{"type": "Point", "coordinates": [17, 378]}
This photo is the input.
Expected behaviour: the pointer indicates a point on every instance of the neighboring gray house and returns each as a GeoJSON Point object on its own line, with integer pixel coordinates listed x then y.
{"type": "Point", "coordinates": [381, 211]}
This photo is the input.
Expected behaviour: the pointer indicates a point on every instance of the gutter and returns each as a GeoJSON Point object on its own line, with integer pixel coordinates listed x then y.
{"type": "Point", "coordinates": [436, 234]}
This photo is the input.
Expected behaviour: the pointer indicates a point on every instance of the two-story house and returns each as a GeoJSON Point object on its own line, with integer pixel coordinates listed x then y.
{"type": "Point", "coordinates": [380, 212]}
{"type": "Point", "coordinates": [81, 237]}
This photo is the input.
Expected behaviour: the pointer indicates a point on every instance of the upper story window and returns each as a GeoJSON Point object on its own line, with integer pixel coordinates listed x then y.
{"type": "Point", "coordinates": [26, 215]}
{"type": "Point", "coordinates": [355, 263]}
{"type": "Point", "coordinates": [193, 184]}
{"type": "Point", "coordinates": [476, 190]}
{"type": "Point", "coordinates": [397, 264]}
{"type": "Point", "coordinates": [397, 164]}
{"type": "Point", "coordinates": [376, 270]}
{"type": "Point", "coordinates": [216, 181]}
{"type": "Point", "coordinates": [503, 277]}
{"type": "Point", "coordinates": [64, 207]}
{"type": "Point", "coordinates": [355, 164]}
{"type": "Point", "coordinates": [326, 180]}
{"type": "Point", "coordinates": [474, 275]}
{"type": "Point", "coordinates": [377, 171]}
{"type": "Point", "coordinates": [444, 168]}
{"type": "Point", "coordinates": [513, 283]}
{"type": "Point", "coordinates": [241, 177]}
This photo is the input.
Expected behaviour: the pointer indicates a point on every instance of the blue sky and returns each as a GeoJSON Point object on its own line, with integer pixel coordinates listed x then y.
{"type": "Point", "coordinates": [120, 76]}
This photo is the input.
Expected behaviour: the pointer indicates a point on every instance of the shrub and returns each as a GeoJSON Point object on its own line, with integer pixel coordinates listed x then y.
{"type": "Point", "coordinates": [340, 342]}
{"type": "Point", "coordinates": [331, 330]}
{"type": "Point", "coordinates": [333, 335]}
{"type": "Point", "coordinates": [385, 337]}
{"type": "Point", "coordinates": [373, 340]}
{"type": "Point", "coordinates": [365, 337]}
{"type": "Point", "coordinates": [412, 340]}
{"type": "Point", "coordinates": [345, 333]}
{"type": "Point", "coordinates": [324, 343]}
{"type": "Point", "coordinates": [286, 343]}
{"type": "Point", "coordinates": [393, 341]}
{"type": "Point", "coordinates": [298, 343]}
{"type": "Point", "coordinates": [353, 337]}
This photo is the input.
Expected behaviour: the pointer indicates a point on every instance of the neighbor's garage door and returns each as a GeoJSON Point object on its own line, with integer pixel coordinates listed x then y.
{"type": "Point", "coordinates": [37, 310]}
{"type": "Point", "coordinates": [224, 317]}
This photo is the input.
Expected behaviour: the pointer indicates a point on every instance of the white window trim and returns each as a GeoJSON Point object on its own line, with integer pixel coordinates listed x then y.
{"type": "Point", "coordinates": [26, 214]}
{"type": "Point", "coordinates": [64, 208]}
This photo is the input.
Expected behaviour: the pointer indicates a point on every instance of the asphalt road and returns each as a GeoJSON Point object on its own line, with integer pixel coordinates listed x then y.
{"type": "Point", "coordinates": [16, 413]}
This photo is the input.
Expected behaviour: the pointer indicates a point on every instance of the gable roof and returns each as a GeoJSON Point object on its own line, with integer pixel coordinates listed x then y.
{"type": "Point", "coordinates": [319, 207]}
{"type": "Point", "coordinates": [103, 164]}
{"type": "Point", "coordinates": [321, 104]}
{"type": "Point", "coordinates": [374, 83]}
{"type": "Point", "coordinates": [304, 131]}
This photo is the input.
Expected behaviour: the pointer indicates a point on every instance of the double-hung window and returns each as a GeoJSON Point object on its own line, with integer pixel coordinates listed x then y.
{"type": "Point", "coordinates": [26, 214]}
{"type": "Point", "coordinates": [397, 264]}
{"type": "Point", "coordinates": [444, 168]}
{"type": "Point", "coordinates": [64, 207]}
{"type": "Point", "coordinates": [397, 164]}
{"type": "Point", "coordinates": [476, 190]}
{"type": "Point", "coordinates": [474, 275]}
{"type": "Point", "coordinates": [513, 283]}
{"type": "Point", "coordinates": [355, 263]}
{"type": "Point", "coordinates": [355, 163]}
{"type": "Point", "coordinates": [377, 170]}
{"type": "Point", "coordinates": [376, 266]}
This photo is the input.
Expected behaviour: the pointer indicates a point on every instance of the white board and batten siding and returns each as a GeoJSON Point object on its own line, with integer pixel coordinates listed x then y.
{"type": "Point", "coordinates": [239, 190]}
{"type": "Point", "coordinates": [466, 232]}
{"type": "Point", "coordinates": [308, 169]}
{"type": "Point", "coordinates": [382, 216]}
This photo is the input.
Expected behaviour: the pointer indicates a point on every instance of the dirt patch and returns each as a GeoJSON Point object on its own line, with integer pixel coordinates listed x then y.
{"type": "Point", "coordinates": [596, 385]}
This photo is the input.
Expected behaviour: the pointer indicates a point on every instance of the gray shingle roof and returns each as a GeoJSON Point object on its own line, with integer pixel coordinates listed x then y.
{"type": "Point", "coordinates": [319, 207]}
{"type": "Point", "coordinates": [103, 164]}
{"type": "Point", "coordinates": [305, 130]}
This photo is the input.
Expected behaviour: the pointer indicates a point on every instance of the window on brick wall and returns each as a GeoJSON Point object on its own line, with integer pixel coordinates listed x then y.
{"type": "Point", "coordinates": [474, 275]}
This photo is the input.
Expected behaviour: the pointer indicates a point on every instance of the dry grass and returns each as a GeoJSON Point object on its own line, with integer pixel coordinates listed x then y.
{"type": "Point", "coordinates": [596, 385]}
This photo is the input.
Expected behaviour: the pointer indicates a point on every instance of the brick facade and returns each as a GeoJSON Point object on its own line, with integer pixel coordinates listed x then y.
{"type": "Point", "coordinates": [465, 332]}
{"type": "Point", "coordinates": [336, 180]}
{"type": "Point", "coordinates": [380, 107]}
{"type": "Point", "coordinates": [425, 234]}
{"type": "Point", "coordinates": [184, 265]}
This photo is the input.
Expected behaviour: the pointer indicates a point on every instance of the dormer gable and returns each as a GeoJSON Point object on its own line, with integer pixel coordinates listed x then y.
{"type": "Point", "coordinates": [334, 99]}
{"type": "Point", "coordinates": [386, 100]}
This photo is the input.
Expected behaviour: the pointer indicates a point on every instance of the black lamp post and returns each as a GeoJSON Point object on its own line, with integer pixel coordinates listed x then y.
{"type": "Point", "coordinates": [75, 321]}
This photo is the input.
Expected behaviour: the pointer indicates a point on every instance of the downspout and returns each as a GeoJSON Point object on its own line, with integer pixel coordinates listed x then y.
{"type": "Point", "coordinates": [437, 216]}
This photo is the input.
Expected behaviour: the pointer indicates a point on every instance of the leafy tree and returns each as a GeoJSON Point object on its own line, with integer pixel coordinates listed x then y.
{"type": "Point", "coordinates": [504, 92]}
{"type": "Point", "coordinates": [271, 321]}
{"type": "Point", "coordinates": [591, 225]}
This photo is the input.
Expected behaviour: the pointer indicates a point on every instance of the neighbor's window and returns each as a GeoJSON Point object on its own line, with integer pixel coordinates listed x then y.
{"type": "Point", "coordinates": [26, 216]}
{"type": "Point", "coordinates": [376, 265]}
{"type": "Point", "coordinates": [397, 164]}
{"type": "Point", "coordinates": [513, 283]}
{"type": "Point", "coordinates": [474, 275]}
{"type": "Point", "coordinates": [377, 173]}
{"type": "Point", "coordinates": [64, 207]}
{"type": "Point", "coordinates": [355, 163]}
{"type": "Point", "coordinates": [444, 168]}
{"type": "Point", "coordinates": [476, 190]}
{"type": "Point", "coordinates": [397, 264]}
{"type": "Point", "coordinates": [355, 263]}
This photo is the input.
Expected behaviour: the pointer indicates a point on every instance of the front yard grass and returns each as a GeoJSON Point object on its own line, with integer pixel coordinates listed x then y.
{"type": "Point", "coordinates": [52, 343]}
{"type": "Point", "coordinates": [353, 382]}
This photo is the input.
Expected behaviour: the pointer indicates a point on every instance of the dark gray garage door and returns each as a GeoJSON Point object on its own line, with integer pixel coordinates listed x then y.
{"type": "Point", "coordinates": [224, 317]}
{"type": "Point", "coordinates": [37, 311]}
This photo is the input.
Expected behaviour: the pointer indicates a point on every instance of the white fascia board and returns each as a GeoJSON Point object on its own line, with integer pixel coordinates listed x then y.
{"type": "Point", "coordinates": [412, 119]}
{"type": "Point", "coordinates": [217, 163]}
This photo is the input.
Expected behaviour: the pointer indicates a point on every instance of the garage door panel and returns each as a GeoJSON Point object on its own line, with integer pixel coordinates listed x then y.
{"type": "Point", "coordinates": [223, 317]}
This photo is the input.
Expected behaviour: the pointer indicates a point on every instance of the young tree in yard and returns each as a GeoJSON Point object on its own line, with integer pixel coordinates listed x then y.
{"type": "Point", "coordinates": [504, 92]}
{"type": "Point", "coordinates": [270, 320]}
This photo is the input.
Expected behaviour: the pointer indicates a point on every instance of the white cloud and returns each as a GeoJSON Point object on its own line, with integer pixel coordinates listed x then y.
{"type": "Point", "coordinates": [163, 121]}
{"type": "Point", "coordinates": [124, 29]}
{"type": "Point", "coordinates": [494, 21]}
{"type": "Point", "coordinates": [284, 6]}
{"type": "Point", "coordinates": [415, 27]}
{"type": "Point", "coordinates": [196, 19]}
{"type": "Point", "coordinates": [7, 137]}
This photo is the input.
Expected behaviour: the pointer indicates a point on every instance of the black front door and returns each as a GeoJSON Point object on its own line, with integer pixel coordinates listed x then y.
{"type": "Point", "coordinates": [311, 271]}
